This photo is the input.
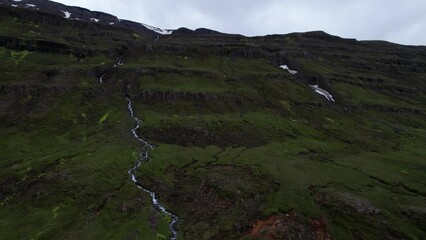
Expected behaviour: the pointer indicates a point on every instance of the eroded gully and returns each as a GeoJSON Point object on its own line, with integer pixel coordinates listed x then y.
{"type": "Point", "coordinates": [145, 148]}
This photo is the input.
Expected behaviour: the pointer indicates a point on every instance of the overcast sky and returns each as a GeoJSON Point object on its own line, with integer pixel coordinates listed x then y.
{"type": "Point", "coordinates": [400, 21]}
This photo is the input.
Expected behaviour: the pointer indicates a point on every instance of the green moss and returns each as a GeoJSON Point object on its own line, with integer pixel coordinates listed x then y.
{"type": "Point", "coordinates": [104, 117]}
{"type": "Point", "coordinates": [18, 56]}
{"type": "Point", "coordinates": [135, 35]}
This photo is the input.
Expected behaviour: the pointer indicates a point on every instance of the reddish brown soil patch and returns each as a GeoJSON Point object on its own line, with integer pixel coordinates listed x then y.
{"type": "Point", "coordinates": [217, 201]}
{"type": "Point", "coordinates": [320, 229]}
{"type": "Point", "coordinates": [288, 227]}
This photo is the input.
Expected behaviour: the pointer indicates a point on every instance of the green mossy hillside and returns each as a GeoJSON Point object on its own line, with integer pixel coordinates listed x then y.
{"type": "Point", "coordinates": [237, 139]}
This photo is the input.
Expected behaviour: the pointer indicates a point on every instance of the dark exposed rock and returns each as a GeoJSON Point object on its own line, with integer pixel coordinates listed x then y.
{"type": "Point", "coordinates": [351, 203]}
{"type": "Point", "coordinates": [176, 96]}
{"type": "Point", "coordinates": [137, 27]}
{"type": "Point", "coordinates": [7, 186]}
{"type": "Point", "coordinates": [198, 31]}
{"type": "Point", "coordinates": [43, 46]}
{"type": "Point", "coordinates": [23, 90]}
{"type": "Point", "coordinates": [393, 109]}
{"type": "Point", "coordinates": [416, 214]}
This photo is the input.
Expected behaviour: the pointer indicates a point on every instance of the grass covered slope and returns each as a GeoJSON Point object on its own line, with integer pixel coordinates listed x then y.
{"type": "Point", "coordinates": [65, 140]}
{"type": "Point", "coordinates": [359, 167]}
{"type": "Point", "coordinates": [243, 148]}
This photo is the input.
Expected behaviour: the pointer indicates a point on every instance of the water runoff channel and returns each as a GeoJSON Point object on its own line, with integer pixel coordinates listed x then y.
{"type": "Point", "coordinates": [145, 148]}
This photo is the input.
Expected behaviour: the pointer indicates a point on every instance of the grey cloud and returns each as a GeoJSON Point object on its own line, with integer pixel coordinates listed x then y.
{"type": "Point", "coordinates": [392, 20]}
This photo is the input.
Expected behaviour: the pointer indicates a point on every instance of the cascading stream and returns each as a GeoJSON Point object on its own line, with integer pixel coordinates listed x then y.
{"type": "Point", "coordinates": [144, 157]}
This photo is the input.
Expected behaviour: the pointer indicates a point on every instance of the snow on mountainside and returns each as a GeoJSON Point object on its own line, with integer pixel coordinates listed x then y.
{"type": "Point", "coordinates": [82, 14]}
{"type": "Point", "coordinates": [323, 92]}
{"type": "Point", "coordinates": [67, 14]}
{"type": "Point", "coordinates": [85, 15]}
{"type": "Point", "coordinates": [158, 30]}
{"type": "Point", "coordinates": [285, 67]}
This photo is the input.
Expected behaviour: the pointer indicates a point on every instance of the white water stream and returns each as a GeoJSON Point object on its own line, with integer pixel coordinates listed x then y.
{"type": "Point", "coordinates": [144, 157]}
{"type": "Point", "coordinates": [101, 79]}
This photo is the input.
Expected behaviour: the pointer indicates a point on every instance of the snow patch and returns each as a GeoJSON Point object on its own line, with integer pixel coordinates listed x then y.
{"type": "Point", "coordinates": [94, 19]}
{"type": "Point", "coordinates": [30, 5]}
{"type": "Point", "coordinates": [285, 67]}
{"type": "Point", "coordinates": [111, 23]}
{"type": "Point", "coordinates": [119, 63]}
{"type": "Point", "coordinates": [323, 92]}
{"type": "Point", "coordinates": [101, 79]}
{"type": "Point", "coordinates": [14, 5]}
{"type": "Point", "coordinates": [158, 30]}
{"type": "Point", "coordinates": [17, 0]}
{"type": "Point", "coordinates": [67, 14]}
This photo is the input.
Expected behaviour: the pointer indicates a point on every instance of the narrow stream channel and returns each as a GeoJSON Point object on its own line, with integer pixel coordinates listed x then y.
{"type": "Point", "coordinates": [144, 157]}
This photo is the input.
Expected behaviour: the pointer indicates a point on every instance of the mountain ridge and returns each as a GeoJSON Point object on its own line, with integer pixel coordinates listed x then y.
{"type": "Point", "coordinates": [83, 14]}
{"type": "Point", "coordinates": [86, 15]}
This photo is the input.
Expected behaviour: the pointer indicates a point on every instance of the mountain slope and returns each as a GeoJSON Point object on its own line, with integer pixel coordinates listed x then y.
{"type": "Point", "coordinates": [85, 15]}
{"type": "Point", "coordinates": [243, 148]}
